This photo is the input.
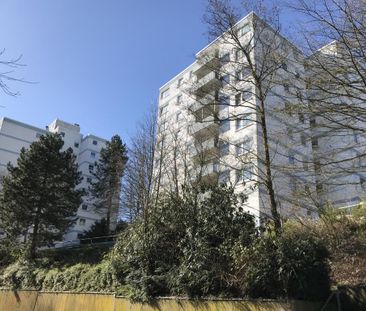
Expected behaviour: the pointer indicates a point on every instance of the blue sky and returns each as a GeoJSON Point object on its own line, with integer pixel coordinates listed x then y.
{"type": "Point", "coordinates": [97, 63]}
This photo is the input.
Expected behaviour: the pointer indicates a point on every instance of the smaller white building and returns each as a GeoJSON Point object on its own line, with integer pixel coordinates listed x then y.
{"type": "Point", "coordinates": [15, 135]}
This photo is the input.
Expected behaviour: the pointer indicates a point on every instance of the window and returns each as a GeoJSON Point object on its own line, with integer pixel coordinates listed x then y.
{"type": "Point", "coordinates": [38, 135]}
{"type": "Point", "coordinates": [178, 116]}
{"type": "Point", "coordinates": [95, 142]}
{"type": "Point", "coordinates": [88, 179]}
{"type": "Point", "coordinates": [225, 80]}
{"type": "Point", "coordinates": [243, 146]}
{"type": "Point", "coordinates": [286, 87]}
{"type": "Point", "coordinates": [92, 154]}
{"type": "Point", "coordinates": [179, 99]}
{"type": "Point", "coordinates": [314, 142]}
{"type": "Point", "coordinates": [305, 163]}
{"type": "Point", "coordinates": [246, 72]}
{"type": "Point", "coordinates": [180, 82]}
{"type": "Point", "coordinates": [91, 167]}
{"type": "Point", "coordinates": [243, 121]}
{"type": "Point", "coordinates": [355, 136]}
{"type": "Point", "coordinates": [301, 117]}
{"type": "Point", "coordinates": [312, 122]}
{"type": "Point", "coordinates": [244, 174]}
{"type": "Point", "coordinates": [291, 157]}
{"type": "Point", "coordinates": [238, 75]}
{"type": "Point", "coordinates": [82, 222]}
{"type": "Point", "coordinates": [303, 139]}
{"type": "Point", "coordinates": [84, 207]}
{"type": "Point", "coordinates": [317, 166]}
{"type": "Point", "coordinates": [191, 74]}
{"type": "Point", "coordinates": [237, 99]}
{"type": "Point", "coordinates": [62, 134]}
{"type": "Point", "coordinates": [238, 55]}
{"type": "Point", "coordinates": [284, 66]}
{"type": "Point", "coordinates": [224, 177]}
{"type": "Point", "coordinates": [293, 184]}
{"type": "Point", "coordinates": [224, 148]}
{"type": "Point", "coordinates": [246, 94]}
{"type": "Point", "coordinates": [225, 58]}
{"type": "Point", "coordinates": [164, 94]}
{"type": "Point", "coordinates": [76, 145]}
{"type": "Point", "coordinates": [243, 30]}
{"type": "Point", "coordinates": [224, 125]}
{"type": "Point", "coordinates": [224, 102]}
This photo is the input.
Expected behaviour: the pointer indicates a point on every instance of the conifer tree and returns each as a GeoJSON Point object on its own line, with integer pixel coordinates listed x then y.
{"type": "Point", "coordinates": [108, 174]}
{"type": "Point", "coordinates": [39, 198]}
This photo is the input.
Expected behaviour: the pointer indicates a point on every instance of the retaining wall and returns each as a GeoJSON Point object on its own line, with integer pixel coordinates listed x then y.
{"type": "Point", "coordinates": [46, 301]}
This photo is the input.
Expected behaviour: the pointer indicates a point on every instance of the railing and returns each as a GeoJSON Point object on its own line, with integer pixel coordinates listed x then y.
{"type": "Point", "coordinates": [108, 239]}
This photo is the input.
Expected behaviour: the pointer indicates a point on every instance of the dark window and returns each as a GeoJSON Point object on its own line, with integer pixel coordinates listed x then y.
{"type": "Point", "coordinates": [180, 82]}
{"type": "Point", "coordinates": [76, 145]}
{"type": "Point", "coordinates": [237, 99]}
{"type": "Point", "coordinates": [291, 157]}
{"type": "Point", "coordinates": [91, 167]}
{"type": "Point", "coordinates": [284, 66]}
{"type": "Point", "coordinates": [92, 154]}
{"type": "Point", "coordinates": [224, 102]}
{"type": "Point", "coordinates": [314, 142]}
{"type": "Point", "coordinates": [95, 142]}
{"type": "Point", "coordinates": [246, 94]}
{"type": "Point", "coordinates": [225, 58]}
{"type": "Point", "coordinates": [301, 117]}
{"type": "Point", "coordinates": [84, 207]}
{"type": "Point", "coordinates": [62, 134]}
{"type": "Point", "coordinates": [225, 80]}
{"type": "Point", "coordinates": [224, 177]}
{"type": "Point", "coordinates": [88, 179]}
{"type": "Point", "coordinates": [224, 125]}
{"type": "Point", "coordinates": [224, 148]}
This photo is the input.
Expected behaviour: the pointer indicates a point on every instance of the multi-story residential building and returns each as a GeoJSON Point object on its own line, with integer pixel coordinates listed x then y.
{"type": "Point", "coordinates": [210, 125]}
{"type": "Point", "coordinates": [211, 113]}
{"type": "Point", "coordinates": [15, 135]}
{"type": "Point", "coordinates": [337, 127]}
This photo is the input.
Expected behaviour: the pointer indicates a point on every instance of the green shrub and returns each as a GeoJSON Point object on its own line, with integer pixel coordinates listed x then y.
{"type": "Point", "coordinates": [293, 265]}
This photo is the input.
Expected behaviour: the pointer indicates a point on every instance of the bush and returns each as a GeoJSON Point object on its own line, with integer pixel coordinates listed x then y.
{"type": "Point", "coordinates": [293, 265]}
{"type": "Point", "coordinates": [183, 246]}
{"type": "Point", "coordinates": [79, 278]}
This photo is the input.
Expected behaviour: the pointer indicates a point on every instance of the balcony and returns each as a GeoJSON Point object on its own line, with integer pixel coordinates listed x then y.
{"type": "Point", "coordinates": [207, 84]}
{"type": "Point", "coordinates": [210, 99]}
{"type": "Point", "coordinates": [208, 173]}
{"type": "Point", "coordinates": [205, 149]}
{"type": "Point", "coordinates": [208, 63]}
{"type": "Point", "coordinates": [208, 127]}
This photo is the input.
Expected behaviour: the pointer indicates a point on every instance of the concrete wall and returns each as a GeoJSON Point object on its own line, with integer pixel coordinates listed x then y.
{"type": "Point", "coordinates": [46, 301]}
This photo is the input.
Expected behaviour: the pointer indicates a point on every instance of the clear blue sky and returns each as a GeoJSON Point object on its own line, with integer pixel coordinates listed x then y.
{"type": "Point", "coordinates": [98, 63]}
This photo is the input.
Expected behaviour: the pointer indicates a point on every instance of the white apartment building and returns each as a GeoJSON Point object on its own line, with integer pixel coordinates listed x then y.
{"type": "Point", "coordinates": [210, 110]}
{"type": "Point", "coordinates": [15, 135]}
{"type": "Point", "coordinates": [209, 125]}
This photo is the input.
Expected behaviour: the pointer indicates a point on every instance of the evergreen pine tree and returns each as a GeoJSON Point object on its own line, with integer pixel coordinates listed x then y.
{"type": "Point", "coordinates": [39, 198]}
{"type": "Point", "coordinates": [108, 174]}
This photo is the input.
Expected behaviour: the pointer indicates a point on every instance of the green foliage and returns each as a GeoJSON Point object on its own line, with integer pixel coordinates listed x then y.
{"type": "Point", "coordinates": [39, 193]}
{"type": "Point", "coordinates": [109, 171]}
{"type": "Point", "coordinates": [182, 246]}
{"type": "Point", "coordinates": [293, 265]}
{"type": "Point", "coordinates": [98, 229]}
{"type": "Point", "coordinates": [78, 278]}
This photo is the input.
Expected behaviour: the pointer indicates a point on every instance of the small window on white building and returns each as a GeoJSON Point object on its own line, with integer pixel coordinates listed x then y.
{"type": "Point", "coordinates": [224, 148]}
{"type": "Point", "coordinates": [224, 177]}
{"type": "Point", "coordinates": [245, 174]}
{"type": "Point", "coordinates": [95, 142]}
{"type": "Point", "coordinates": [244, 146]}
{"type": "Point", "coordinates": [224, 59]}
{"type": "Point", "coordinates": [179, 82]}
{"type": "Point", "coordinates": [84, 207]}
{"type": "Point", "coordinates": [225, 80]}
{"type": "Point", "coordinates": [243, 30]}
{"type": "Point", "coordinates": [82, 222]}
{"type": "Point", "coordinates": [76, 145]}
{"type": "Point", "coordinates": [92, 155]}
{"type": "Point", "coordinates": [224, 125]}
{"type": "Point", "coordinates": [178, 116]}
{"type": "Point", "coordinates": [291, 157]}
{"type": "Point", "coordinates": [88, 179]}
{"type": "Point", "coordinates": [91, 167]}
{"type": "Point", "coordinates": [301, 117]}
{"type": "Point", "coordinates": [242, 121]}
{"type": "Point", "coordinates": [246, 94]}
{"type": "Point", "coordinates": [62, 134]}
{"type": "Point", "coordinates": [164, 94]}
{"type": "Point", "coordinates": [179, 99]}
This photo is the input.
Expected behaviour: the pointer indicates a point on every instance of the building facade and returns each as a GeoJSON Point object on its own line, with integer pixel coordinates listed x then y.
{"type": "Point", "coordinates": [211, 129]}
{"type": "Point", "coordinates": [15, 135]}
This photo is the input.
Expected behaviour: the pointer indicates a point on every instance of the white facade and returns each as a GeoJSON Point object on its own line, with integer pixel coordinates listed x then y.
{"type": "Point", "coordinates": [234, 147]}
{"type": "Point", "coordinates": [189, 131]}
{"type": "Point", "coordinates": [15, 135]}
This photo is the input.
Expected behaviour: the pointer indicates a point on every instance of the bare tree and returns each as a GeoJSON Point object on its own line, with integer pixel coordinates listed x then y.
{"type": "Point", "coordinates": [7, 73]}
{"type": "Point", "coordinates": [253, 64]}
{"type": "Point", "coordinates": [335, 42]}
